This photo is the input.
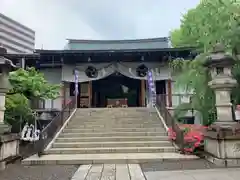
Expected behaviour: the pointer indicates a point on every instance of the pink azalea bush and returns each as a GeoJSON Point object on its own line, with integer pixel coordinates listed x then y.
{"type": "Point", "coordinates": [193, 136]}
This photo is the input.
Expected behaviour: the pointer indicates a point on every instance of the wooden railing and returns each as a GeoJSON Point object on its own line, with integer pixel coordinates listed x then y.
{"type": "Point", "coordinates": [170, 122]}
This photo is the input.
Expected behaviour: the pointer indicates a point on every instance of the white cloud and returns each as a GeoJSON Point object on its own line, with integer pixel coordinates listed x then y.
{"type": "Point", "coordinates": [56, 20]}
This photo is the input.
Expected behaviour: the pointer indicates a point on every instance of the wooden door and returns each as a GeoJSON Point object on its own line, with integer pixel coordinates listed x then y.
{"type": "Point", "coordinates": [142, 97]}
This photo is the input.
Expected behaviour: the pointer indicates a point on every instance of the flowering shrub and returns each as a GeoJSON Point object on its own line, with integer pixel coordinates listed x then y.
{"type": "Point", "coordinates": [193, 136]}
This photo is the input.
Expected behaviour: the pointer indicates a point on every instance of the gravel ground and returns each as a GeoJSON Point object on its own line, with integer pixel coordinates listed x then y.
{"type": "Point", "coordinates": [47, 172]}
{"type": "Point", "coordinates": [178, 165]}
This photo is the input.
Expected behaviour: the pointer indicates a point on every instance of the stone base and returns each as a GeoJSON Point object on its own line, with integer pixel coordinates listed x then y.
{"type": "Point", "coordinates": [226, 126]}
{"type": "Point", "coordinates": [223, 162]}
{"type": "Point", "coordinates": [9, 148]}
{"type": "Point", "coordinates": [222, 143]}
{"type": "Point", "coordinates": [2, 165]}
{"type": "Point", "coordinates": [223, 148]}
{"type": "Point", "coordinates": [4, 128]}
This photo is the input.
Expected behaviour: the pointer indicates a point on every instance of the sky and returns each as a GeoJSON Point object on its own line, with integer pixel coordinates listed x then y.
{"type": "Point", "coordinates": [56, 20]}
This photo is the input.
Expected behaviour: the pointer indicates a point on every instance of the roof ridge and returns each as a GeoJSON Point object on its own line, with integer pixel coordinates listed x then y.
{"type": "Point", "coordinates": [160, 39]}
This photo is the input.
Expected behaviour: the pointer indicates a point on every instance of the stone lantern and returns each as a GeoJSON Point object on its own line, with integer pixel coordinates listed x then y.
{"type": "Point", "coordinates": [6, 66]}
{"type": "Point", "coordinates": [222, 138]}
{"type": "Point", "coordinates": [220, 65]}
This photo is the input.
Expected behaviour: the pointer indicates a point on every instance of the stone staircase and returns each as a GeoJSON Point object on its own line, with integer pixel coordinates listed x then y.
{"type": "Point", "coordinates": [115, 135]}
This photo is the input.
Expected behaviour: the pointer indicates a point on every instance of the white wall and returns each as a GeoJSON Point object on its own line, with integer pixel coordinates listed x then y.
{"type": "Point", "coordinates": [184, 98]}
{"type": "Point", "coordinates": [179, 95]}
{"type": "Point", "coordinates": [54, 76]}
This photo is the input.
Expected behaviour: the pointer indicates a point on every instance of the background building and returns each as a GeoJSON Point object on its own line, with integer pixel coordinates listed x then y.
{"type": "Point", "coordinates": [15, 37]}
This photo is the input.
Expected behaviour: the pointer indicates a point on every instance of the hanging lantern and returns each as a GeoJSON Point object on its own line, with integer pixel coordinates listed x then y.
{"type": "Point", "coordinates": [91, 72]}
{"type": "Point", "coordinates": [142, 70]}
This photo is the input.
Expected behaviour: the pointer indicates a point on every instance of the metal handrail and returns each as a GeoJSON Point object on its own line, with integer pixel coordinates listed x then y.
{"type": "Point", "coordinates": [48, 133]}
{"type": "Point", "coordinates": [170, 122]}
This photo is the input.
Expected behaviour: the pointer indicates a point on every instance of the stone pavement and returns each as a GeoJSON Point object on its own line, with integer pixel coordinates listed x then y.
{"type": "Point", "coordinates": [47, 172]}
{"type": "Point", "coordinates": [182, 164]}
{"type": "Point", "coordinates": [206, 174]}
{"type": "Point", "coordinates": [198, 169]}
{"type": "Point", "coordinates": [134, 172]}
{"type": "Point", "coordinates": [109, 172]}
{"type": "Point", "coordinates": [182, 170]}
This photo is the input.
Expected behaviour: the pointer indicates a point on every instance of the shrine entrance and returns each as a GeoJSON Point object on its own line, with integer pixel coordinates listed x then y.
{"type": "Point", "coordinates": [116, 90]}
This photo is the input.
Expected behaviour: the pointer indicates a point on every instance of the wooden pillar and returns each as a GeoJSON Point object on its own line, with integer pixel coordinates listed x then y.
{"type": "Point", "coordinates": [63, 94]}
{"type": "Point", "coordinates": [169, 93]}
{"type": "Point", "coordinates": [143, 93]}
{"type": "Point", "coordinates": [90, 94]}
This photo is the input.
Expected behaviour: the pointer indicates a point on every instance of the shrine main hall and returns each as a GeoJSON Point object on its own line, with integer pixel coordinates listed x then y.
{"type": "Point", "coordinates": [110, 72]}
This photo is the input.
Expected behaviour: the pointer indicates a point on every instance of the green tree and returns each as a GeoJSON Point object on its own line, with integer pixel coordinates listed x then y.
{"type": "Point", "coordinates": [17, 109]}
{"type": "Point", "coordinates": [202, 27]}
{"type": "Point", "coordinates": [210, 22]}
{"type": "Point", "coordinates": [32, 84]}
{"type": "Point", "coordinates": [27, 85]}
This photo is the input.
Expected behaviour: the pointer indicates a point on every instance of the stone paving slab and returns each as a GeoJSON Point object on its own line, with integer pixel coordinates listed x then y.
{"type": "Point", "coordinates": [82, 172]}
{"type": "Point", "coordinates": [207, 174]}
{"type": "Point", "coordinates": [178, 165]}
{"type": "Point", "coordinates": [134, 172]}
{"type": "Point", "coordinates": [49, 172]}
{"type": "Point", "coordinates": [109, 172]}
{"type": "Point", "coordinates": [122, 172]}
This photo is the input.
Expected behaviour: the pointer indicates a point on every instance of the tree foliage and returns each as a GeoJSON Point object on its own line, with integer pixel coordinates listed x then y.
{"type": "Point", "coordinates": [202, 27]}
{"type": "Point", "coordinates": [32, 84]}
{"type": "Point", "coordinates": [210, 22]}
{"type": "Point", "coordinates": [17, 107]}
{"type": "Point", "coordinates": [26, 85]}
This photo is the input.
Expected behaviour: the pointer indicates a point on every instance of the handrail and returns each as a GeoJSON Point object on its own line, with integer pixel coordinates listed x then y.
{"type": "Point", "coordinates": [170, 122]}
{"type": "Point", "coordinates": [47, 134]}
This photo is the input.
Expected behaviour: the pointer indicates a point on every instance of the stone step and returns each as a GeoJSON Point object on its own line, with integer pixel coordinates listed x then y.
{"type": "Point", "coordinates": [110, 150]}
{"type": "Point", "coordinates": [117, 158]}
{"type": "Point", "coordinates": [111, 134]}
{"type": "Point", "coordinates": [124, 111]}
{"type": "Point", "coordinates": [116, 138]}
{"type": "Point", "coordinates": [111, 144]}
{"type": "Point", "coordinates": [145, 122]}
{"type": "Point", "coordinates": [138, 109]}
{"type": "Point", "coordinates": [110, 125]}
{"type": "Point", "coordinates": [112, 119]}
{"type": "Point", "coordinates": [116, 113]}
{"type": "Point", "coordinates": [113, 129]}
{"type": "Point", "coordinates": [107, 120]}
